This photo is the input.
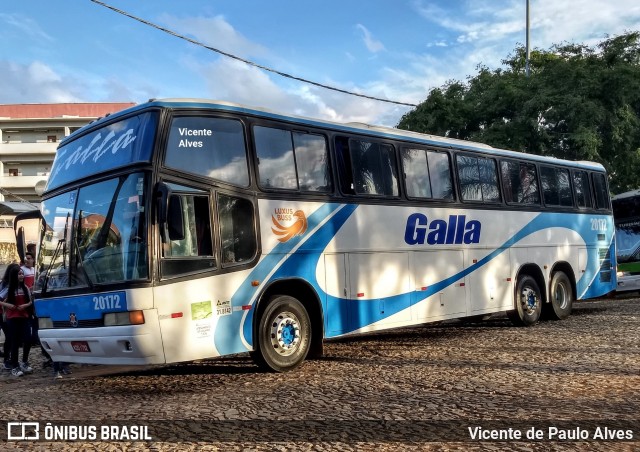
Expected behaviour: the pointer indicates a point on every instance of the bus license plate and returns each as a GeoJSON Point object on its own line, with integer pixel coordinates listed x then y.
{"type": "Point", "coordinates": [80, 346]}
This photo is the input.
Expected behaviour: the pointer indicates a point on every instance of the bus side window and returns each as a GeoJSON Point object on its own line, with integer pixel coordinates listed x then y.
{"type": "Point", "coordinates": [373, 167]}
{"type": "Point", "coordinates": [556, 188]}
{"type": "Point", "coordinates": [345, 172]}
{"type": "Point", "coordinates": [600, 189]}
{"type": "Point", "coordinates": [237, 229]}
{"type": "Point", "coordinates": [427, 174]}
{"type": "Point", "coordinates": [197, 239]}
{"type": "Point", "coordinates": [581, 189]}
{"type": "Point", "coordinates": [194, 252]}
{"type": "Point", "coordinates": [478, 178]}
{"type": "Point", "coordinates": [519, 182]}
{"type": "Point", "coordinates": [292, 160]}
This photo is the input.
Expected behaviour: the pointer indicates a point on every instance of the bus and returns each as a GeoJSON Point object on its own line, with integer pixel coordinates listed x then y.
{"type": "Point", "coordinates": [626, 214]}
{"type": "Point", "coordinates": [186, 229]}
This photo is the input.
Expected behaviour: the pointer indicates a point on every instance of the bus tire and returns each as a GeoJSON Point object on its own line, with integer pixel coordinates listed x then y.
{"type": "Point", "coordinates": [283, 336]}
{"type": "Point", "coordinates": [560, 298]}
{"type": "Point", "coordinates": [528, 300]}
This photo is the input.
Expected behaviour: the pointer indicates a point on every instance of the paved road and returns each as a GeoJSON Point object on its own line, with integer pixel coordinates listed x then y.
{"type": "Point", "coordinates": [410, 389]}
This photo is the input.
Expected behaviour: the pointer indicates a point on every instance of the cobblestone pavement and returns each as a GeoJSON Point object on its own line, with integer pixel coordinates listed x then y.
{"type": "Point", "coordinates": [409, 389]}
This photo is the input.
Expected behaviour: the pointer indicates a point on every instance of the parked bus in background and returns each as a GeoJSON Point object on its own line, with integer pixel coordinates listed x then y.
{"type": "Point", "coordinates": [626, 214]}
{"type": "Point", "coordinates": [179, 230]}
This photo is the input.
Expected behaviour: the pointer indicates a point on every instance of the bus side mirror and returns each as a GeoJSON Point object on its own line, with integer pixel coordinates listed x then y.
{"type": "Point", "coordinates": [20, 243]}
{"type": "Point", "coordinates": [169, 213]}
{"type": "Point", "coordinates": [28, 226]}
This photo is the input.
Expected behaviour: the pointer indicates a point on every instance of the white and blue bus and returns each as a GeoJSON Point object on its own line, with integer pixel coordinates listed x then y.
{"type": "Point", "coordinates": [185, 229]}
{"type": "Point", "coordinates": [626, 214]}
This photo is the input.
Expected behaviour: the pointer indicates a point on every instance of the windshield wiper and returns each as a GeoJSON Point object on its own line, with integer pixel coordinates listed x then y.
{"type": "Point", "coordinates": [103, 234]}
{"type": "Point", "coordinates": [79, 254]}
{"type": "Point", "coordinates": [62, 244]}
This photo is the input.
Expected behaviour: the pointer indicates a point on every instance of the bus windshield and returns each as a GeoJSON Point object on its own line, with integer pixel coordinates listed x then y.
{"type": "Point", "coordinates": [628, 241]}
{"type": "Point", "coordinates": [95, 235]}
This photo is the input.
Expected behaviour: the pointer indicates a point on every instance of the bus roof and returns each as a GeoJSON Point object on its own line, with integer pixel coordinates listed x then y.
{"type": "Point", "coordinates": [351, 127]}
{"type": "Point", "coordinates": [628, 194]}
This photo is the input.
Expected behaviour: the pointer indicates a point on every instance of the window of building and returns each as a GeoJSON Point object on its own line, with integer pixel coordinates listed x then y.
{"type": "Point", "coordinates": [51, 138]}
{"type": "Point", "coordinates": [14, 172]}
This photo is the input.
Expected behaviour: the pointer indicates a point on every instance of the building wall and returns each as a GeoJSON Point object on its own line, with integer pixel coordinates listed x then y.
{"type": "Point", "coordinates": [29, 136]}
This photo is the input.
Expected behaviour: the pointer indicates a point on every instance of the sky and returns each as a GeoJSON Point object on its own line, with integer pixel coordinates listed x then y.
{"type": "Point", "coordinates": [80, 51]}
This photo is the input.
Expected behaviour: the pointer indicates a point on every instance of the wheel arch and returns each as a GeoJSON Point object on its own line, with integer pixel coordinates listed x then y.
{"type": "Point", "coordinates": [305, 294]}
{"type": "Point", "coordinates": [535, 272]}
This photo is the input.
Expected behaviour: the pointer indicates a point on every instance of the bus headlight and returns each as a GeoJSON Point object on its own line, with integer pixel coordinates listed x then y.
{"type": "Point", "coordinates": [45, 323]}
{"type": "Point", "coordinates": [124, 318]}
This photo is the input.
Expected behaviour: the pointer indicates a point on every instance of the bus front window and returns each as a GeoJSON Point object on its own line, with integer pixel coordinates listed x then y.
{"type": "Point", "coordinates": [104, 235]}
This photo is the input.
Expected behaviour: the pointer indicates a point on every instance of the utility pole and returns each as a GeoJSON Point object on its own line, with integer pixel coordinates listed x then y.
{"type": "Point", "coordinates": [526, 66]}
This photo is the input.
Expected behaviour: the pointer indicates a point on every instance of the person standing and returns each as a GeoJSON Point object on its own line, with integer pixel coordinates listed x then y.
{"type": "Point", "coordinates": [17, 302]}
{"type": "Point", "coordinates": [4, 283]}
{"type": "Point", "coordinates": [29, 280]}
{"type": "Point", "coordinates": [29, 270]}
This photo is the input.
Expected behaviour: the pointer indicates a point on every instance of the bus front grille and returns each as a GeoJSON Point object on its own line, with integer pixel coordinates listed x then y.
{"type": "Point", "coordinates": [81, 323]}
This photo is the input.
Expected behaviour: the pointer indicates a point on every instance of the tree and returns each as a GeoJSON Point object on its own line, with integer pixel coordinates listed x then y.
{"type": "Point", "coordinates": [579, 103]}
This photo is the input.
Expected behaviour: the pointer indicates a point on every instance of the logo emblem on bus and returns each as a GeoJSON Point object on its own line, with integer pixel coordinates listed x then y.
{"type": "Point", "coordinates": [72, 319]}
{"type": "Point", "coordinates": [288, 224]}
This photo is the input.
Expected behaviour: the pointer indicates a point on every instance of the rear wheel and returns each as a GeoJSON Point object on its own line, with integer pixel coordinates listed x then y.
{"type": "Point", "coordinates": [561, 301]}
{"type": "Point", "coordinates": [283, 336]}
{"type": "Point", "coordinates": [528, 300]}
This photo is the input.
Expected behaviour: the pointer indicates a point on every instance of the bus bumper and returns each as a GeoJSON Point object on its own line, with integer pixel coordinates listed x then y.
{"type": "Point", "coordinates": [115, 345]}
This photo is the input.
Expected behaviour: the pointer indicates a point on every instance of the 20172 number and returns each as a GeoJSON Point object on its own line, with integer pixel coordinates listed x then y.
{"type": "Point", "coordinates": [106, 302]}
{"type": "Point", "coordinates": [598, 224]}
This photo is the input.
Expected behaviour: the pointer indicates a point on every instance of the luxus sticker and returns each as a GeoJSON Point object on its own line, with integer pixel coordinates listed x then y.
{"type": "Point", "coordinates": [288, 224]}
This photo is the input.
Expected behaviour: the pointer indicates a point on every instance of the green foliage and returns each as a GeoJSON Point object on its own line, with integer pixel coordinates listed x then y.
{"type": "Point", "coordinates": [579, 103]}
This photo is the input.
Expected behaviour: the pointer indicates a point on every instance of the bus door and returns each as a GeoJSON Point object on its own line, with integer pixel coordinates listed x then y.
{"type": "Point", "coordinates": [185, 298]}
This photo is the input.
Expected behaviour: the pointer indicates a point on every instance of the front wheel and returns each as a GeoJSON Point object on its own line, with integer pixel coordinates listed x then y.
{"type": "Point", "coordinates": [283, 336]}
{"type": "Point", "coordinates": [561, 302]}
{"type": "Point", "coordinates": [528, 300]}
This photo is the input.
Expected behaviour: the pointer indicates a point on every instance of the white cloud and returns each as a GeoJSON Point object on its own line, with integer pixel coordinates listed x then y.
{"type": "Point", "coordinates": [372, 44]}
{"type": "Point", "coordinates": [215, 32]}
{"type": "Point", "coordinates": [236, 82]}
{"type": "Point", "coordinates": [438, 44]}
{"type": "Point", "coordinates": [483, 32]}
{"type": "Point", "coordinates": [482, 22]}
{"type": "Point", "coordinates": [36, 82]}
{"type": "Point", "coordinates": [26, 26]}
{"type": "Point", "coordinates": [473, 32]}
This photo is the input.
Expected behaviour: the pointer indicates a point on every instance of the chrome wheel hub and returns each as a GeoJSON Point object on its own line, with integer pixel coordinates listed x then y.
{"type": "Point", "coordinates": [285, 333]}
